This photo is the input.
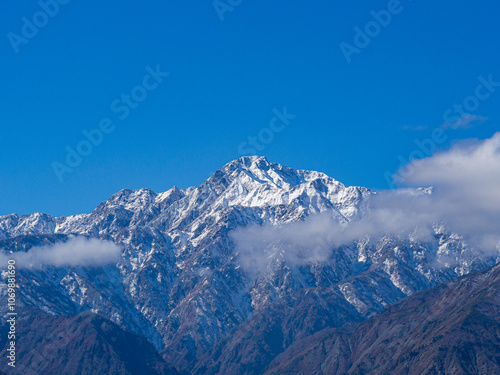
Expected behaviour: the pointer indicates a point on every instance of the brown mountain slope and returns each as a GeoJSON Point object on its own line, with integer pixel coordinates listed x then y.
{"type": "Point", "coordinates": [82, 344]}
{"type": "Point", "coordinates": [451, 329]}
{"type": "Point", "coordinates": [251, 347]}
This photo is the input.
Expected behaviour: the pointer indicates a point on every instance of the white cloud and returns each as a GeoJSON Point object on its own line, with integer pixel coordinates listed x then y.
{"type": "Point", "coordinates": [465, 198]}
{"type": "Point", "coordinates": [77, 251]}
{"type": "Point", "coordinates": [312, 240]}
{"type": "Point", "coordinates": [467, 182]}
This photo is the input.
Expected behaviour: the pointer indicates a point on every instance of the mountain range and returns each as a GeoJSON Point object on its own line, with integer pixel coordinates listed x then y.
{"type": "Point", "coordinates": [192, 293]}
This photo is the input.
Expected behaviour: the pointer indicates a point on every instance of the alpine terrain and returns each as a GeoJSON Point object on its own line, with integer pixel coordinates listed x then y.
{"type": "Point", "coordinates": [192, 294]}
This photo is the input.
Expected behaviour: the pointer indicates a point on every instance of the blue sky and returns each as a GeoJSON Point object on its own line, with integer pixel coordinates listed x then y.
{"type": "Point", "coordinates": [228, 78]}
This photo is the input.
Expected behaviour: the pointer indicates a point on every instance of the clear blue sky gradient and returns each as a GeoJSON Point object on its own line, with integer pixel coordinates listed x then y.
{"type": "Point", "coordinates": [353, 120]}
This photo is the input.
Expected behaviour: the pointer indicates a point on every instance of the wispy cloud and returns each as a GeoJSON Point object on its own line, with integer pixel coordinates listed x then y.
{"type": "Point", "coordinates": [414, 128]}
{"type": "Point", "coordinates": [77, 251]}
{"type": "Point", "coordinates": [466, 121]}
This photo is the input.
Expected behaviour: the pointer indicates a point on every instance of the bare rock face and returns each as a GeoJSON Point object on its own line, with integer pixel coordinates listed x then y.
{"type": "Point", "coordinates": [182, 282]}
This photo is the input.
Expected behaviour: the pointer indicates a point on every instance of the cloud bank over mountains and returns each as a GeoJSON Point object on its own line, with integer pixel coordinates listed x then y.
{"type": "Point", "coordinates": [467, 195]}
{"type": "Point", "coordinates": [458, 189]}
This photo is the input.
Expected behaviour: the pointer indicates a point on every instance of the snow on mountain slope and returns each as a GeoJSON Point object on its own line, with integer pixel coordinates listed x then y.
{"type": "Point", "coordinates": [180, 282]}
